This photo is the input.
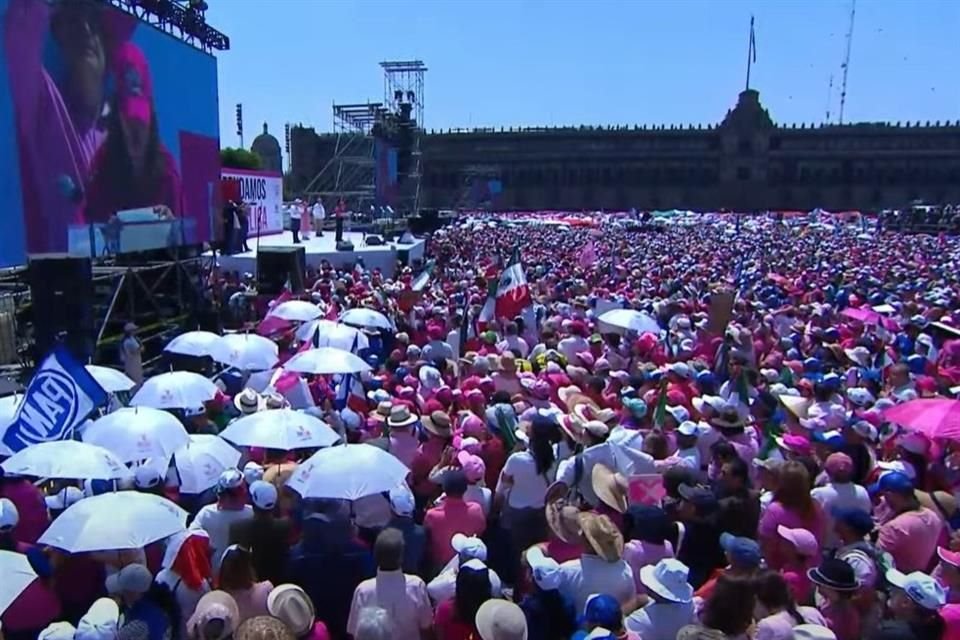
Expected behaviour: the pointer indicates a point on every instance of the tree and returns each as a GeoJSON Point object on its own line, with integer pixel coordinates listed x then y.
{"type": "Point", "coordinates": [231, 158]}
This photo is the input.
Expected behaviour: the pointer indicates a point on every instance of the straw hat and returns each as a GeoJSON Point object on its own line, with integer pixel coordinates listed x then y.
{"type": "Point", "coordinates": [382, 412]}
{"type": "Point", "coordinates": [437, 423]}
{"type": "Point", "coordinates": [501, 620]}
{"type": "Point", "coordinates": [611, 487]}
{"type": "Point", "coordinates": [587, 413]}
{"type": "Point", "coordinates": [293, 606]}
{"type": "Point", "coordinates": [400, 416]}
{"type": "Point", "coordinates": [572, 396]}
{"type": "Point", "coordinates": [796, 405]}
{"type": "Point", "coordinates": [564, 521]}
{"type": "Point", "coordinates": [572, 426]}
{"type": "Point", "coordinates": [602, 535]}
{"type": "Point", "coordinates": [248, 401]}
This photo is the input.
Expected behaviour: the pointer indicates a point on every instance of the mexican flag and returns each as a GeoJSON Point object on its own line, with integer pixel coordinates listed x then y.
{"type": "Point", "coordinates": [489, 310]}
{"type": "Point", "coordinates": [421, 281]}
{"type": "Point", "coordinates": [513, 294]}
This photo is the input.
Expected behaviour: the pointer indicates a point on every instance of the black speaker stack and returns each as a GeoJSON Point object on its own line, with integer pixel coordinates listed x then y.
{"type": "Point", "coordinates": [61, 295]}
{"type": "Point", "coordinates": [278, 265]}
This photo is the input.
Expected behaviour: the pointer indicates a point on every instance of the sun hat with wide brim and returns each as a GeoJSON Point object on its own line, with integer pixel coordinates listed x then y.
{"type": "Point", "coordinates": [400, 416]}
{"type": "Point", "coordinates": [248, 401]}
{"type": "Point", "coordinates": [834, 573]}
{"type": "Point", "coordinates": [501, 620]}
{"type": "Point", "coordinates": [572, 396]}
{"type": "Point", "coordinates": [728, 419]}
{"type": "Point", "coordinates": [611, 487]}
{"type": "Point", "coordinates": [293, 606]}
{"type": "Point", "coordinates": [586, 413]}
{"type": "Point", "coordinates": [564, 521]}
{"type": "Point", "coordinates": [602, 535]}
{"type": "Point", "coordinates": [572, 426]}
{"type": "Point", "coordinates": [797, 405]}
{"type": "Point", "coordinates": [668, 579]}
{"type": "Point", "coordinates": [438, 423]}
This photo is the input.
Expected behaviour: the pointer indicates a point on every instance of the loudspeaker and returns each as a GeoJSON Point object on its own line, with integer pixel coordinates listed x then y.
{"type": "Point", "coordinates": [374, 240]}
{"type": "Point", "coordinates": [277, 265]}
{"type": "Point", "coordinates": [344, 245]}
{"type": "Point", "coordinates": [61, 296]}
{"type": "Point", "coordinates": [403, 257]}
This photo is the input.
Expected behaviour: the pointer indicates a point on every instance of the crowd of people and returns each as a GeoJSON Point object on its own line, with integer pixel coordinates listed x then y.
{"type": "Point", "coordinates": [732, 474]}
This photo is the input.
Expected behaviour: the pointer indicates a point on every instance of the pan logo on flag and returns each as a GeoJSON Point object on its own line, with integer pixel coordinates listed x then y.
{"type": "Point", "coordinates": [51, 409]}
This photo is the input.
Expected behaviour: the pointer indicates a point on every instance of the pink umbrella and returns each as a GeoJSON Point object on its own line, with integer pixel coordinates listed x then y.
{"type": "Point", "coordinates": [869, 316]}
{"type": "Point", "coordinates": [272, 325]}
{"type": "Point", "coordinates": [933, 417]}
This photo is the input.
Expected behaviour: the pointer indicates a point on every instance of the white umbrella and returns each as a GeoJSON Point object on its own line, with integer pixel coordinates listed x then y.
{"type": "Point", "coordinates": [138, 433]}
{"type": "Point", "coordinates": [111, 380]}
{"type": "Point", "coordinates": [347, 472]}
{"type": "Point", "coordinates": [67, 459]}
{"type": "Point", "coordinates": [192, 343]}
{"type": "Point", "coordinates": [201, 462]}
{"type": "Point", "coordinates": [631, 320]}
{"type": "Point", "coordinates": [296, 311]}
{"type": "Point", "coordinates": [332, 334]}
{"type": "Point", "coordinates": [17, 576]}
{"type": "Point", "coordinates": [122, 520]}
{"type": "Point", "coordinates": [326, 360]}
{"type": "Point", "coordinates": [283, 429]}
{"type": "Point", "coordinates": [245, 351]}
{"type": "Point", "coordinates": [366, 318]}
{"type": "Point", "coordinates": [174, 390]}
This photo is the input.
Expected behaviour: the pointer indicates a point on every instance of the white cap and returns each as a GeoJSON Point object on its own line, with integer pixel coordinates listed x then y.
{"type": "Point", "coordinates": [100, 622]}
{"type": "Point", "coordinates": [64, 498]}
{"type": "Point", "coordinates": [263, 495]}
{"type": "Point", "coordinates": [919, 587]}
{"type": "Point", "coordinates": [680, 414]}
{"type": "Point", "coordinates": [134, 578]}
{"type": "Point", "coordinates": [681, 369]}
{"type": "Point", "coordinates": [146, 477]}
{"type": "Point", "coordinates": [469, 547]}
{"type": "Point", "coordinates": [860, 396]}
{"type": "Point", "coordinates": [229, 479]}
{"type": "Point", "coordinates": [58, 631]}
{"type": "Point", "coordinates": [900, 466]}
{"type": "Point", "coordinates": [402, 501]}
{"type": "Point", "coordinates": [546, 571]}
{"type": "Point", "coordinates": [252, 472]}
{"type": "Point", "coordinates": [688, 428]}
{"type": "Point", "coordinates": [9, 516]}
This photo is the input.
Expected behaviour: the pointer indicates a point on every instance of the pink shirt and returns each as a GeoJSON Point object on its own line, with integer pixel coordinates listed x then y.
{"type": "Point", "coordinates": [779, 626]}
{"type": "Point", "coordinates": [403, 596]}
{"type": "Point", "coordinates": [911, 538]}
{"type": "Point", "coordinates": [776, 514]}
{"type": "Point", "coordinates": [639, 554]}
{"type": "Point", "coordinates": [451, 517]}
{"type": "Point", "coordinates": [843, 619]}
{"type": "Point", "coordinates": [319, 632]}
{"type": "Point", "coordinates": [951, 620]}
{"type": "Point", "coordinates": [34, 518]}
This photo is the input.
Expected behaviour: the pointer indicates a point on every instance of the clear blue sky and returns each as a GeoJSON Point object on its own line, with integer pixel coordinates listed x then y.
{"type": "Point", "coordinates": [538, 62]}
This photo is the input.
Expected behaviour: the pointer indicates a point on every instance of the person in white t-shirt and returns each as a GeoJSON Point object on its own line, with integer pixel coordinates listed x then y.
{"type": "Point", "coordinates": [216, 518]}
{"type": "Point", "coordinates": [319, 217]}
{"type": "Point", "coordinates": [296, 212]}
{"type": "Point", "coordinates": [840, 492]}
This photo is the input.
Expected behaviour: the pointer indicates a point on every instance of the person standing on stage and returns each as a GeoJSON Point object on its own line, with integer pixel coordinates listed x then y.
{"type": "Point", "coordinates": [340, 212]}
{"type": "Point", "coordinates": [131, 353]}
{"type": "Point", "coordinates": [243, 218]}
{"type": "Point", "coordinates": [319, 217]}
{"type": "Point", "coordinates": [295, 211]}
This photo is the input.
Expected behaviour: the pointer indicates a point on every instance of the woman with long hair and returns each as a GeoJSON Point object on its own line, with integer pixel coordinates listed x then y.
{"type": "Point", "coordinates": [792, 507]}
{"type": "Point", "coordinates": [455, 618]}
{"type": "Point", "coordinates": [132, 169]}
{"type": "Point", "coordinates": [238, 578]}
{"type": "Point", "coordinates": [728, 611]}
{"type": "Point", "coordinates": [776, 612]}
{"type": "Point", "coordinates": [523, 486]}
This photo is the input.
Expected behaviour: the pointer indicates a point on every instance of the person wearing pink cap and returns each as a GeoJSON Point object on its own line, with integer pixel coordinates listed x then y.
{"type": "Point", "coordinates": [799, 552]}
{"type": "Point", "coordinates": [948, 573]}
{"type": "Point", "coordinates": [132, 169]}
{"type": "Point", "coordinates": [840, 492]}
{"type": "Point", "coordinates": [792, 507]}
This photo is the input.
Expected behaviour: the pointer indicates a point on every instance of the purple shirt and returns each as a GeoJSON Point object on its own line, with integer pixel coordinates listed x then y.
{"type": "Point", "coordinates": [639, 554]}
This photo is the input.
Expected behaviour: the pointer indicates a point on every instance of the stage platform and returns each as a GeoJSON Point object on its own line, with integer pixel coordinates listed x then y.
{"type": "Point", "coordinates": [382, 257]}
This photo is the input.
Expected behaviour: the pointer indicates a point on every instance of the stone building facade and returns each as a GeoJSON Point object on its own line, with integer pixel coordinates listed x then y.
{"type": "Point", "coordinates": [746, 163]}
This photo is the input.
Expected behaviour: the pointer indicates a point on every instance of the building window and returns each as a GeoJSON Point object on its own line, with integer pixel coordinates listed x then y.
{"type": "Point", "coordinates": [744, 146]}
{"type": "Point", "coordinates": [743, 173]}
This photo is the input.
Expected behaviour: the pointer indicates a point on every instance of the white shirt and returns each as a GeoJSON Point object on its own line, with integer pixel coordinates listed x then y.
{"type": "Point", "coordinates": [571, 346]}
{"type": "Point", "coordinates": [319, 213]}
{"type": "Point", "coordinates": [840, 496]}
{"type": "Point", "coordinates": [605, 453]}
{"type": "Point", "coordinates": [514, 342]}
{"type": "Point", "coordinates": [591, 574]}
{"type": "Point", "coordinates": [529, 487]}
{"type": "Point", "coordinates": [187, 598]}
{"type": "Point", "coordinates": [216, 522]}
{"type": "Point", "coordinates": [661, 620]}
{"type": "Point", "coordinates": [295, 212]}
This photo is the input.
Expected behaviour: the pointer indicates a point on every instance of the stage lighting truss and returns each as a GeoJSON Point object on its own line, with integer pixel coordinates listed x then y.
{"type": "Point", "coordinates": [183, 19]}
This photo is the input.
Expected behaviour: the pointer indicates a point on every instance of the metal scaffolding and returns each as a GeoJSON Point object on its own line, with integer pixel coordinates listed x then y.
{"type": "Point", "coordinates": [403, 82]}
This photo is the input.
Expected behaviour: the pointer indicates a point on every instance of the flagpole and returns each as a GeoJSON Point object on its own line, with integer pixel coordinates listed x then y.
{"type": "Point", "coordinates": [750, 53]}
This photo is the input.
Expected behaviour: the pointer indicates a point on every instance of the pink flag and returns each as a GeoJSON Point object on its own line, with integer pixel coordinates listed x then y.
{"type": "Point", "coordinates": [646, 489]}
{"type": "Point", "coordinates": [588, 255]}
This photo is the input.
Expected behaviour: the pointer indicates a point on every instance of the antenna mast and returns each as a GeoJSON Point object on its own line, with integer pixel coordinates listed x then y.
{"type": "Point", "coordinates": [846, 59]}
{"type": "Point", "coordinates": [829, 97]}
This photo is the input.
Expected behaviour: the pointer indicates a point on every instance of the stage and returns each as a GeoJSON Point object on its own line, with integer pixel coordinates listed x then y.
{"type": "Point", "coordinates": [382, 257]}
